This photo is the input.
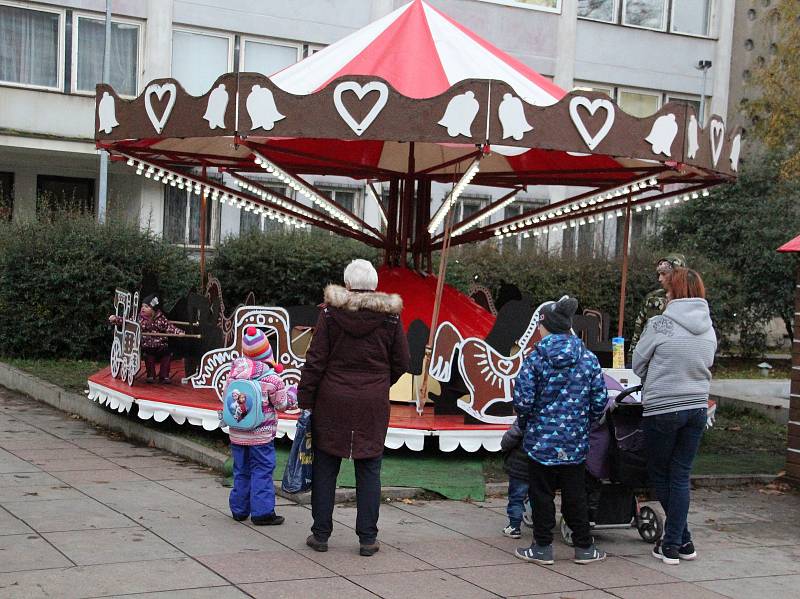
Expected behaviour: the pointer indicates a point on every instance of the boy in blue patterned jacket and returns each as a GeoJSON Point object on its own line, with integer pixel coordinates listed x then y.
{"type": "Point", "coordinates": [558, 393]}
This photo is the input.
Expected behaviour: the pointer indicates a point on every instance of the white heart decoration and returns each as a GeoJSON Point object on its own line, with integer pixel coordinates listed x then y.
{"type": "Point", "coordinates": [717, 132]}
{"type": "Point", "coordinates": [592, 106]}
{"type": "Point", "coordinates": [159, 90]}
{"type": "Point", "coordinates": [360, 91]}
{"type": "Point", "coordinates": [505, 366]}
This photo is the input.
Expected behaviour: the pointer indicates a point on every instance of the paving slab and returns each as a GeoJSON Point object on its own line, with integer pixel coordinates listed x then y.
{"type": "Point", "coordinates": [229, 592]}
{"type": "Point", "coordinates": [10, 524]}
{"type": "Point", "coordinates": [98, 581]}
{"type": "Point", "coordinates": [773, 587]}
{"type": "Point", "coordinates": [679, 589]}
{"type": "Point", "coordinates": [107, 546]}
{"type": "Point", "coordinates": [263, 566]}
{"type": "Point", "coordinates": [67, 514]}
{"type": "Point", "coordinates": [23, 552]}
{"type": "Point", "coordinates": [133, 521]}
{"type": "Point", "coordinates": [311, 588]}
{"type": "Point", "coordinates": [428, 583]}
{"type": "Point", "coordinates": [519, 578]}
{"type": "Point", "coordinates": [345, 561]}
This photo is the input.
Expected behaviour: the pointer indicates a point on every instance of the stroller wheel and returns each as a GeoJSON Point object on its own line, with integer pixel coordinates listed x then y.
{"type": "Point", "coordinates": [527, 514]}
{"type": "Point", "coordinates": [566, 531]}
{"type": "Point", "coordinates": [649, 524]}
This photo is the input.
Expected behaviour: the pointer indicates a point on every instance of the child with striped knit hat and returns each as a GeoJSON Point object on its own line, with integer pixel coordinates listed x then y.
{"type": "Point", "coordinates": [253, 451]}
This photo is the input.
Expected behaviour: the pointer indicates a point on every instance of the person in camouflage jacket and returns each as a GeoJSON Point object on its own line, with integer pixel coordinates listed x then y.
{"type": "Point", "coordinates": [655, 302]}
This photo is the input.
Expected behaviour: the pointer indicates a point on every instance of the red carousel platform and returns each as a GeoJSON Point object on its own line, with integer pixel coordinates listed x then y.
{"type": "Point", "coordinates": [183, 403]}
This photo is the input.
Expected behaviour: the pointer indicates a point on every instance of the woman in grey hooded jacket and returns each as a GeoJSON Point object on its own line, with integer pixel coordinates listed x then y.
{"type": "Point", "coordinates": [673, 357]}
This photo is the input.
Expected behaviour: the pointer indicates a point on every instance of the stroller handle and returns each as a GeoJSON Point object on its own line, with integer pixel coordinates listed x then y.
{"type": "Point", "coordinates": [630, 391]}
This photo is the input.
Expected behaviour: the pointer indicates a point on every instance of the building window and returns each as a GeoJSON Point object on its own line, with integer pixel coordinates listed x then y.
{"type": "Point", "coordinates": [691, 16]}
{"type": "Point", "coordinates": [6, 195]}
{"type": "Point", "coordinates": [249, 221]}
{"type": "Point", "coordinates": [594, 87]}
{"type": "Point", "coordinates": [182, 217]}
{"type": "Point", "coordinates": [30, 46]}
{"type": "Point", "coordinates": [347, 198]}
{"type": "Point", "coordinates": [692, 101]}
{"type": "Point", "coordinates": [546, 5]}
{"type": "Point", "coordinates": [586, 235]}
{"type": "Point", "coordinates": [650, 14]}
{"type": "Point", "coordinates": [598, 10]}
{"type": "Point", "coordinates": [55, 194]}
{"type": "Point", "coordinates": [639, 103]}
{"type": "Point", "coordinates": [268, 58]}
{"type": "Point", "coordinates": [568, 236]}
{"type": "Point", "coordinates": [89, 47]}
{"type": "Point", "coordinates": [199, 58]}
{"type": "Point", "coordinates": [469, 205]}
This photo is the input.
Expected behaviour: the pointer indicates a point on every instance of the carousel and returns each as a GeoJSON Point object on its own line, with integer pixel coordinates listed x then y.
{"type": "Point", "coordinates": [408, 104]}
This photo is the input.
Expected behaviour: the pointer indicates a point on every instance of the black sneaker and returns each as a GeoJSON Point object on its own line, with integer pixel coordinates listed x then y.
{"type": "Point", "coordinates": [269, 520]}
{"type": "Point", "coordinates": [687, 552]}
{"type": "Point", "coordinates": [667, 554]}
{"type": "Point", "coordinates": [240, 517]}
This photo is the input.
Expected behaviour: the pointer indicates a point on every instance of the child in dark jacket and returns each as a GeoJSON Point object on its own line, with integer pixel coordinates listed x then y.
{"type": "Point", "coordinates": [154, 348]}
{"type": "Point", "coordinates": [558, 393]}
{"type": "Point", "coordinates": [516, 466]}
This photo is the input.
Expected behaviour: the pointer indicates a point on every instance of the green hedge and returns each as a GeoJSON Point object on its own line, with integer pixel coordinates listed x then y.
{"type": "Point", "coordinates": [284, 269]}
{"type": "Point", "coordinates": [595, 282]}
{"type": "Point", "coordinates": [57, 280]}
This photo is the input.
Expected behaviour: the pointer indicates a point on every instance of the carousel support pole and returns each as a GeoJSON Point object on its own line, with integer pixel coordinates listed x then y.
{"type": "Point", "coordinates": [203, 200]}
{"type": "Point", "coordinates": [391, 227]}
{"type": "Point", "coordinates": [419, 221]}
{"type": "Point", "coordinates": [423, 388]}
{"type": "Point", "coordinates": [625, 243]}
{"type": "Point", "coordinates": [406, 212]}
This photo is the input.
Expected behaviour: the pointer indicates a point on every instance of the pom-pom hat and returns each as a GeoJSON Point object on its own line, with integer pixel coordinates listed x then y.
{"type": "Point", "coordinates": [557, 317]}
{"type": "Point", "coordinates": [255, 345]}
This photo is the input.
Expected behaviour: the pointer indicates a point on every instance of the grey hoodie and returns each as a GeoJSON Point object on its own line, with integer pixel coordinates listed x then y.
{"type": "Point", "coordinates": [673, 357]}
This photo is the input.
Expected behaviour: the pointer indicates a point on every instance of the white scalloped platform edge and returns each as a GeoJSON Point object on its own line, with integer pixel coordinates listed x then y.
{"type": "Point", "coordinates": [414, 439]}
{"type": "Point", "coordinates": [108, 397]}
{"type": "Point", "coordinates": [469, 440]}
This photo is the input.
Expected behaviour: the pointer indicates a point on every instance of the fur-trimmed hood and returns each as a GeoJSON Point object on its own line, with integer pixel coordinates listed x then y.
{"type": "Point", "coordinates": [337, 296]}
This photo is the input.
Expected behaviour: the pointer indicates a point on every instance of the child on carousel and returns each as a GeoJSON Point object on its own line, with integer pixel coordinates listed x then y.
{"type": "Point", "coordinates": [154, 348]}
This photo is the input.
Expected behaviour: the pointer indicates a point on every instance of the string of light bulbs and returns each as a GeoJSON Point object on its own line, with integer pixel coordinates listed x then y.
{"type": "Point", "coordinates": [309, 192]}
{"type": "Point", "coordinates": [527, 230]}
{"type": "Point", "coordinates": [223, 195]}
{"type": "Point", "coordinates": [452, 197]}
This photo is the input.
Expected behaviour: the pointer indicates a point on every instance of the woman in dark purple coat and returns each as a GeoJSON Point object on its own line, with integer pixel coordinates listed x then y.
{"type": "Point", "coordinates": [359, 350]}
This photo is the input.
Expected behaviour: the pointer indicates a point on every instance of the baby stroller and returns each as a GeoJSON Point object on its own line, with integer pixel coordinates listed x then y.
{"type": "Point", "coordinates": [615, 469]}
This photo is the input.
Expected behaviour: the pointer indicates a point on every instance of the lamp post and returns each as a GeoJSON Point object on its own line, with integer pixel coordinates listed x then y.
{"type": "Point", "coordinates": [103, 184]}
{"type": "Point", "coordinates": [703, 65]}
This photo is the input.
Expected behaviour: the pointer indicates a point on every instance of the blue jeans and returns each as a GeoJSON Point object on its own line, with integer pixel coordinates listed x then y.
{"type": "Point", "coordinates": [253, 493]}
{"type": "Point", "coordinates": [672, 442]}
{"type": "Point", "coordinates": [517, 492]}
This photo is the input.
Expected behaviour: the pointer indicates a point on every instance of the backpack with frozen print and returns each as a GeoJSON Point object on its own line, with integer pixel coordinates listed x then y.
{"type": "Point", "coordinates": [242, 405]}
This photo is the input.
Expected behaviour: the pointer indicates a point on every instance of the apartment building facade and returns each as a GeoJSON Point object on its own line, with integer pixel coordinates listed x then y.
{"type": "Point", "coordinates": [643, 53]}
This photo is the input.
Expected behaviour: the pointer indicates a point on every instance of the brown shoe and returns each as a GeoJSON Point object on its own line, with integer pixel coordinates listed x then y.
{"type": "Point", "coordinates": [369, 549]}
{"type": "Point", "coordinates": [316, 544]}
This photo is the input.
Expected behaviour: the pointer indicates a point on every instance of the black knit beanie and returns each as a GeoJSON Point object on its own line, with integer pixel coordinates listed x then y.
{"type": "Point", "coordinates": [152, 301]}
{"type": "Point", "coordinates": [557, 317]}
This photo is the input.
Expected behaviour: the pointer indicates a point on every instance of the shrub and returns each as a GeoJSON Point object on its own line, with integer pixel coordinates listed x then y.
{"type": "Point", "coordinates": [595, 282]}
{"type": "Point", "coordinates": [57, 279]}
{"type": "Point", "coordinates": [284, 269]}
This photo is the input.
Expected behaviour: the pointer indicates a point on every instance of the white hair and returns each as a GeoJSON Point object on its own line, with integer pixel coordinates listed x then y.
{"type": "Point", "coordinates": [360, 274]}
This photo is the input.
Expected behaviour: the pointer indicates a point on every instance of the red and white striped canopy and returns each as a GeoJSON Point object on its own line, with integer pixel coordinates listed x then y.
{"type": "Point", "coordinates": [421, 52]}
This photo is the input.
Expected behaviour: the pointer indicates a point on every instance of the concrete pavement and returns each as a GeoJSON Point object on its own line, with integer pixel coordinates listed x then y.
{"type": "Point", "coordinates": [84, 515]}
